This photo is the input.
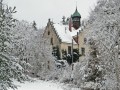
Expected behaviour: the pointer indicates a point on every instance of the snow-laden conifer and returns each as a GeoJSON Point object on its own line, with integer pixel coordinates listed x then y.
{"type": "Point", "coordinates": [9, 66]}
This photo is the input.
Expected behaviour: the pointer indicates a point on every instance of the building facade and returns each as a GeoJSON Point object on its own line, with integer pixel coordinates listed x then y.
{"type": "Point", "coordinates": [66, 35]}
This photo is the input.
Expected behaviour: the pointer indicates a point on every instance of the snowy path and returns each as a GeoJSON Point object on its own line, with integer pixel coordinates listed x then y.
{"type": "Point", "coordinates": [39, 85]}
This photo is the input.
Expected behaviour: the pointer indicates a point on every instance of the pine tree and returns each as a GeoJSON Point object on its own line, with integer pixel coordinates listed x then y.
{"type": "Point", "coordinates": [9, 66]}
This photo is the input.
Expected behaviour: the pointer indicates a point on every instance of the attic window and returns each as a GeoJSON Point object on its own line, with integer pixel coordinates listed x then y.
{"type": "Point", "coordinates": [48, 32]}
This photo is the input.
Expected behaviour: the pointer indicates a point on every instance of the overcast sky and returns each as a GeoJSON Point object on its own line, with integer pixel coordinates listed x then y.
{"type": "Point", "coordinates": [42, 10]}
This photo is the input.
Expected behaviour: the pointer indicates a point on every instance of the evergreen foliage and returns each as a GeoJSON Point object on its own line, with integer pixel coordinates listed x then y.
{"type": "Point", "coordinates": [9, 66]}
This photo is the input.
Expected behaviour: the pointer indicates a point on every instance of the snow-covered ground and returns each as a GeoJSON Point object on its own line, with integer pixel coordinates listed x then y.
{"type": "Point", "coordinates": [43, 85]}
{"type": "Point", "coordinates": [38, 85]}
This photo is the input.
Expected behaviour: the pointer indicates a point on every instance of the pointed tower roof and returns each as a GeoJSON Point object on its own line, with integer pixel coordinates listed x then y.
{"type": "Point", "coordinates": [76, 13]}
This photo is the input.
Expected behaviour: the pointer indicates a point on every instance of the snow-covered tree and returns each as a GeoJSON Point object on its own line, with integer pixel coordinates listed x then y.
{"type": "Point", "coordinates": [33, 51]}
{"type": "Point", "coordinates": [22, 33]}
{"type": "Point", "coordinates": [104, 31]}
{"type": "Point", "coordinates": [9, 66]}
{"type": "Point", "coordinates": [44, 62]}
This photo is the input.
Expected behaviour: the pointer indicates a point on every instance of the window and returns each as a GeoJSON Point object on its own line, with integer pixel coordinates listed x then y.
{"type": "Point", "coordinates": [69, 49]}
{"type": "Point", "coordinates": [48, 32]}
{"type": "Point", "coordinates": [83, 51]}
{"type": "Point", "coordinates": [85, 40]}
{"type": "Point", "coordinates": [51, 41]}
{"type": "Point", "coordinates": [76, 19]}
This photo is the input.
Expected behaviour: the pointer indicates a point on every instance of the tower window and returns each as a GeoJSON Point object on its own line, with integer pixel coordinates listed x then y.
{"type": "Point", "coordinates": [76, 19]}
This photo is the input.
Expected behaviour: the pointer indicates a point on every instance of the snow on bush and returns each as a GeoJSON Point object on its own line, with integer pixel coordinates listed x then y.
{"type": "Point", "coordinates": [104, 31]}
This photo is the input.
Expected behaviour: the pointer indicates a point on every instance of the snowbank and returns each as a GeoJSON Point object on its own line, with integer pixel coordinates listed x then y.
{"type": "Point", "coordinates": [38, 85]}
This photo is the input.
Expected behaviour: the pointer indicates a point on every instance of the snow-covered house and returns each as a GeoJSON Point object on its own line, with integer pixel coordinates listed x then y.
{"type": "Point", "coordinates": [62, 34]}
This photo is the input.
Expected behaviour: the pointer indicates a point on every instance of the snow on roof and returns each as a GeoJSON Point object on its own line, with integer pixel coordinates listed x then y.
{"type": "Point", "coordinates": [64, 33]}
{"type": "Point", "coordinates": [74, 32]}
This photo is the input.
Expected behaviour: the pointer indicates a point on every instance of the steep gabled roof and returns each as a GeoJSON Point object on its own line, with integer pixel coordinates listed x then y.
{"type": "Point", "coordinates": [64, 34]}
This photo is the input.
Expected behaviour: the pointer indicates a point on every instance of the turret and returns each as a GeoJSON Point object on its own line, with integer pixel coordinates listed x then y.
{"type": "Point", "coordinates": [76, 17]}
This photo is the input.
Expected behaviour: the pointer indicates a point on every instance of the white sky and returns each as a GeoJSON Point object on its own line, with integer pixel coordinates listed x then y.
{"type": "Point", "coordinates": [42, 10]}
